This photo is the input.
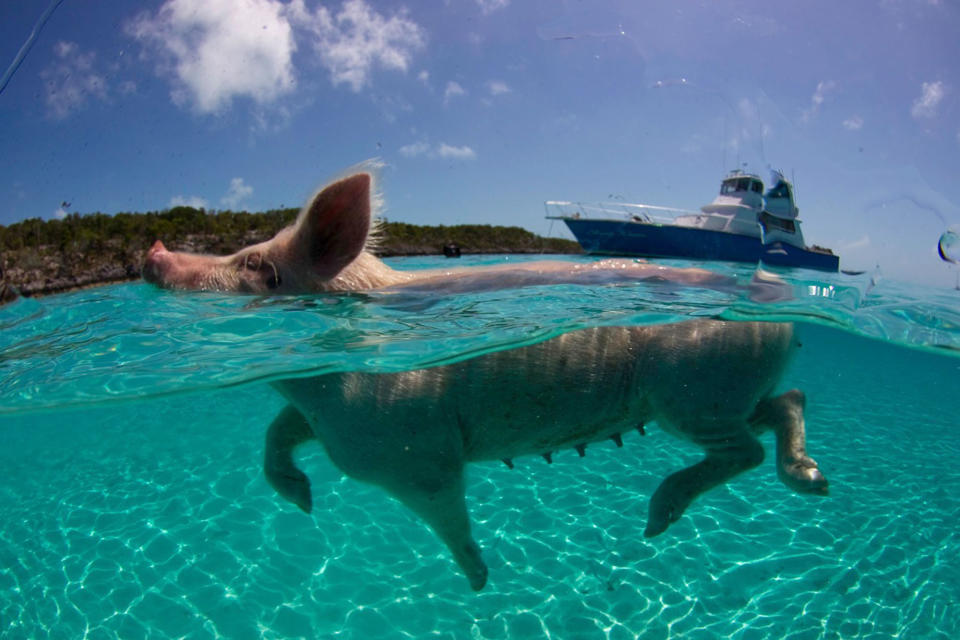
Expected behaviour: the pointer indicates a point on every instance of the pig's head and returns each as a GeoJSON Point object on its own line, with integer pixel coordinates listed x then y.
{"type": "Point", "coordinates": [324, 250]}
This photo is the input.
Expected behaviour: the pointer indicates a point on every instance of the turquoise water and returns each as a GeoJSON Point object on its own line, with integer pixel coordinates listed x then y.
{"type": "Point", "coordinates": [132, 501]}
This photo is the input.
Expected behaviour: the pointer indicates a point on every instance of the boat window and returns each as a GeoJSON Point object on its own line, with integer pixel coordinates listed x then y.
{"type": "Point", "coordinates": [772, 222]}
{"type": "Point", "coordinates": [756, 187]}
{"type": "Point", "coordinates": [729, 186]}
{"type": "Point", "coordinates": [743, 184]}
{"type": "Point", "coordinates": [781, 190]}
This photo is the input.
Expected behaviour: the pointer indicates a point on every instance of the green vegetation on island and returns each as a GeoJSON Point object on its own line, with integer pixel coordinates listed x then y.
{"type": "Point", "coordinates": [48, 256]}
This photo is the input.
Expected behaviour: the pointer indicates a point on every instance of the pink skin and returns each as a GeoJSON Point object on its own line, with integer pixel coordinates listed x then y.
{"type": "Point", "coordinates": [327, 249]}
{"type": "Point", "coordinates": [165, 267]}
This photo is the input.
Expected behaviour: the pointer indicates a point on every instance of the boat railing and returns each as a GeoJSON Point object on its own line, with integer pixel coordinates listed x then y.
{"type": "Point", "coordinates": [628, 212]}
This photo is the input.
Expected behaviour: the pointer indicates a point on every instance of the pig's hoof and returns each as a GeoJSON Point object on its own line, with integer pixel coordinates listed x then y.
{"type": "Point", "coordinates": [803, 476]}
{"type": "Point", "coordinates": [665, 509]}
{"type": "Point", "coordinates": [473, 566]}
{"type": "Point", "coordinates": [478, 579]}
{"type": "Point", "coordinates": [294, 486]}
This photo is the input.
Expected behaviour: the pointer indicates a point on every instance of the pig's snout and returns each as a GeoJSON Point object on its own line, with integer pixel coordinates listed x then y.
{"type": "Point", "coordinates": [154, 264]}
{"type": "Point", "coordinates": [175, 270]}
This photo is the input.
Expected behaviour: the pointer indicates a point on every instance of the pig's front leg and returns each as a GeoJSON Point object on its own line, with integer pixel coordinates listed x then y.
{"type": "Point", "coordinates": [288, 430]}
{"type": "Point", "coordinates": [442, 506]}
{"type": "Point", "coordinates": [736, 454]}
{"type": "Point", "coordinates": [428, 480]}
{"type": "Point", "coordinates": [409, 452]}
{"type": "Point", "coordinates": [784, 415]}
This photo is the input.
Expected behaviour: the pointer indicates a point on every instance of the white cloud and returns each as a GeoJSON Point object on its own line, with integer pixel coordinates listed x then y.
{"type": "Point", "coordinates": [60, 213]}
{"type": "Point", "coordinates": [71, 80]}
{"type": "Point", "coordinates": [442, 150]}
{"type": "Point", "coordinates": [238, 192]}
{"type": "Point", "coordinates": [415, 149]}
{"type": "Point", "coordinates": [355, 41]}
{"type": "Point", "coordinates": [816, 100]}
{"type": "Point", "coordinates": [821, 92]}
{"type": "Point", "coordinates": [926, 105]}
{"type": "Point", "coordinates": [219, 50]}
{"type": "Point", "coordinates": [854, 123]}
{"type": "Point", "coordinates": [459, 153]}
{"type": "Point", "coordinates": [424, 77]}
{"type": "Point", "coordinates": [489, 6]}
{"type": "Point", "coordinates": [497, 88]}
{"type": "Point", "coordinates": [188, 201]}
{"type": "Point", "coordinates": [453, 90]}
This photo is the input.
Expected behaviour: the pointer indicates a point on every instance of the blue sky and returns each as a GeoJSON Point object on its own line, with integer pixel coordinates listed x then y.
{"type": "Point", "coordinates": [483, 109]}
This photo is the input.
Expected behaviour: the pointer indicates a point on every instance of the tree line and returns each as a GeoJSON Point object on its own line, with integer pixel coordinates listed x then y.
{"type": "Point", "coordinates": [227, 231]}
{"type": "Point", "coordinates": [138, 230]}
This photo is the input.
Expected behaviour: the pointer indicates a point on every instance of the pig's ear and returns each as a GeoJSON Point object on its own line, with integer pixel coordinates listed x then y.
{"type": "Point", "coordinates": [333, 228]}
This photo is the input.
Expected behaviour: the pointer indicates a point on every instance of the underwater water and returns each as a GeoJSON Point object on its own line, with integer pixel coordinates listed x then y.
{"type": "Point", "coordinates": [133, 504]}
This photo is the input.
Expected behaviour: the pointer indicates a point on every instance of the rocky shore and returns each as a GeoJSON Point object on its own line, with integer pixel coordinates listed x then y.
{"type": "Point", "coordinates": [47, 270]}
{"type": "Point", "coordinates": [40, 284]}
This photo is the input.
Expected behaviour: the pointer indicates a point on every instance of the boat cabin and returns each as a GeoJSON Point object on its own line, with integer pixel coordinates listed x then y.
{"type": "Point", "coordinates": [741, 183]}
{"type": "Point", "coordinates": [779, 200]}
{"type": "Point", "coordinates": [735, 209]}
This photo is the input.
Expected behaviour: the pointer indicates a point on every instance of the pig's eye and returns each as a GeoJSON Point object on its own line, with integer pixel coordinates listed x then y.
{"type": "Point", "coordinates": [252, 262]}
{"type": "Point", "coordinates": [267, 270]}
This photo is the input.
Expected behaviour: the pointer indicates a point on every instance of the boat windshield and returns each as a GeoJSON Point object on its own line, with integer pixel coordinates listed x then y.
{"type": "Point", "coordinates": [734, 185]}
{"type": "Point", "coordinates": [780, 190]}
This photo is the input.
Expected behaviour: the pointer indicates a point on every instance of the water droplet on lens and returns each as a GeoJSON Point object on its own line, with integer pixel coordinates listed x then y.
{"type": "Point", "coordinates": [949, 245]}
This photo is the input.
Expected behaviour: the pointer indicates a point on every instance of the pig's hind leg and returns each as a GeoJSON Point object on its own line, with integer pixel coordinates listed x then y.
{"type": "Point", "coordinates": [726, 457]}
{"type": "Point", "coordinates": [784, 415]}
{"type": "Point", "coordinates": [288, 430]}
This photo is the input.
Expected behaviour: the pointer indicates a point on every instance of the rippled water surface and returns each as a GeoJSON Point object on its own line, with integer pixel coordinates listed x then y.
{"type": "Point", "coordinates": [133, 503]}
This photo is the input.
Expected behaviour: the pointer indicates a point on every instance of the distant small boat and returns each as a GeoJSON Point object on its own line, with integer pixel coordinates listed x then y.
{"type": "Point", "coordinates": [451, 250]}
{"type": "Point", "coordinates": [742, 224]}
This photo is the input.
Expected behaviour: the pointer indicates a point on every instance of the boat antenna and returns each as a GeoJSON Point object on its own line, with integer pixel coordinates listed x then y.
{"type": "Point", "coordinates": [723, 141]}
{"type": "Point", "coordinates": [763, 155]}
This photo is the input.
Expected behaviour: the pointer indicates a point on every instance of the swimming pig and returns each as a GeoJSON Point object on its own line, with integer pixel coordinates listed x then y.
{"type": "Point", "coordinates": [411, 433]}
{"type": "Point", "coordinates": [328, 249]}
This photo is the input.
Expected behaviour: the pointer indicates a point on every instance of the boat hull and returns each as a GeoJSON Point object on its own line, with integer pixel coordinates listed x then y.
{"type": "Point", "coordinates": [615, 237]}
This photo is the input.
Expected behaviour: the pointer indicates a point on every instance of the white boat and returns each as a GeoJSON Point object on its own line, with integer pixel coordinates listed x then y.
{"type": "Point", "coordinates": [742, 224]}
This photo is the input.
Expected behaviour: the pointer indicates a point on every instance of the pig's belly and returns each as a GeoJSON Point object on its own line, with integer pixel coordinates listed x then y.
{"type": "Point", "coordinates": [542, 419]}
{"type": "Point", "coordinates": [490, 440]}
